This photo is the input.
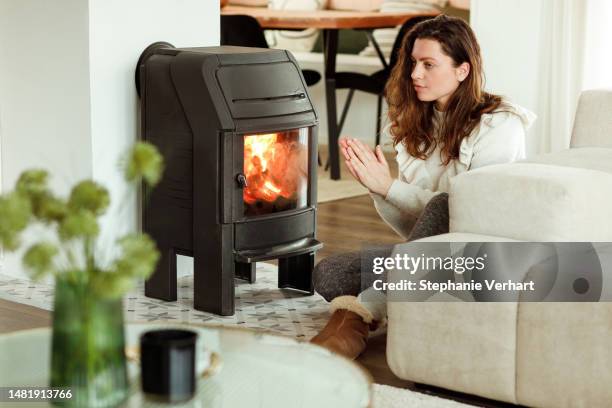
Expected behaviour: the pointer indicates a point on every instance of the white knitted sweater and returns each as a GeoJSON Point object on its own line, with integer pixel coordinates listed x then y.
{"type": "Point", "coordinates": [499, 138]}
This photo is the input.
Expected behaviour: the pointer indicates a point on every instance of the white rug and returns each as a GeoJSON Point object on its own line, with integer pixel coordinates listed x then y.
{"type": "Point", "coordinates": [385, 396]}
{"type": "Point", "coordinates": [259, 306]}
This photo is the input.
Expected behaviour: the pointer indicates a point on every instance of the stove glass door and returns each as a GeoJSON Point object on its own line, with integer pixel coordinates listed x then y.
{"type": "Point", "coordinates": [276, 171]}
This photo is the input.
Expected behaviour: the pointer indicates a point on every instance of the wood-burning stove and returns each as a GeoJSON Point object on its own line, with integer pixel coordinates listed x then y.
{"type": "Point", "coordinates": [238, 132]}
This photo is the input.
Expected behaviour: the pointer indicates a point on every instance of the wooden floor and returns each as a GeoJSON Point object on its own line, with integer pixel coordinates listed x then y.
{"type": "Point", "coordinates": [15, 316]}
{"type": "Point", "coordinates": [349, 224]}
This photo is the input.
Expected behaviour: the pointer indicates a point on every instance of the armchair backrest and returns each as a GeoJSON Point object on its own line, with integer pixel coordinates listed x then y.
{"type": "Point", "coordinates": [593, 121]}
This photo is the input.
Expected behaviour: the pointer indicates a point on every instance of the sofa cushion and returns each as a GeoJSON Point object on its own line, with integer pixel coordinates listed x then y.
{"type": "Point", "coordinates": [533, 202]}
{"type": "Point", "coordinates": [593, 121]}
{"type": "Point", "coordinates": [594, 158]}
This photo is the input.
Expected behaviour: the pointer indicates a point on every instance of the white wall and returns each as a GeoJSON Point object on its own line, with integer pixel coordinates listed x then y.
{"type": "Point", "coordinates": [118, 32]}
{"type": "Point", "coordinates": [67, 97]}
{"type": "Point", "coordinates": [44, 94]}
{"type": "Point", "coordinates": [44, 89]}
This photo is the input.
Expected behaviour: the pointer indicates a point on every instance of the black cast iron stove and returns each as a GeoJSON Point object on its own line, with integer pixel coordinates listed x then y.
{"type": "Point", "coordinates": [238, 133]}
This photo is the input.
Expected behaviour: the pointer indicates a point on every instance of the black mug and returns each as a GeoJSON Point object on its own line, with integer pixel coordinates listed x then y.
{"type": "Point", "coordinates": [167, 364]}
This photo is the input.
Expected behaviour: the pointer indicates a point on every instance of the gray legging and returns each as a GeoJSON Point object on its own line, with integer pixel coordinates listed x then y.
{"type": "Point", "coordinates": [339, 275]}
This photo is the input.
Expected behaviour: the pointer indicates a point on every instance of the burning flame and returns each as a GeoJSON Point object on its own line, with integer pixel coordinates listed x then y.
{"type": "Point", "coordinates": [271, 167]}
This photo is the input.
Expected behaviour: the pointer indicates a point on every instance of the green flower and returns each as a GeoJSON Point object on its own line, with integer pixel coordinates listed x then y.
{"type": "Point", "coordinates": [89, 195]}
{"type": "Point", "coordinates": [15, 213]}
{"type": "Point", "coordinates": [144, 161]}
{"type": "Point", "coordinates": [138, 256]}
{"type": "Point", "coordinates": [39, 259]}
{"type": "Point", "coordinates": [32, 183]}
{"type": "Point", "coordinates": [50, 209]}
{"type": "Point", "coordinates": [82, 224]}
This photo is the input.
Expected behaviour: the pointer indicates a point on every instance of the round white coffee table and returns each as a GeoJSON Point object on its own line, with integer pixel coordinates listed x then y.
{"type": "Point", "coordinates": [258, 370]}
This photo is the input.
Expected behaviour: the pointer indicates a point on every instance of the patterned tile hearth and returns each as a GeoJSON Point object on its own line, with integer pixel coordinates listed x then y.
{"type": "Point", "coordinates": [260, 305]}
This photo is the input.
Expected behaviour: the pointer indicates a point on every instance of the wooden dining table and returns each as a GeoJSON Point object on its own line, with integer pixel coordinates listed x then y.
{"type": "Point", "coordinates": [330, 22]}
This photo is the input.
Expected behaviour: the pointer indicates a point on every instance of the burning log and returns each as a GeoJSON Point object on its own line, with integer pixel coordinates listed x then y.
{"type": "Point", "coordinates": [260, 207]}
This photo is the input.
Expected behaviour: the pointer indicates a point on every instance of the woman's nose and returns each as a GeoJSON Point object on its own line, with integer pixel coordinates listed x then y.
{"type": "Point", "coordinates": [416, 72]}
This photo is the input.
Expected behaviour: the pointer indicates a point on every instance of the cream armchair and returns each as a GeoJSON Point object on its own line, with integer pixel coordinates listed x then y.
{"type": "Point", "coordinates": [535, 354]}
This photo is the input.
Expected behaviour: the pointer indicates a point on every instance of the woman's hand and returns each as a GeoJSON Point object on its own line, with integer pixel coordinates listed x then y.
{"type": "Point", "coordinates": [369, 168]}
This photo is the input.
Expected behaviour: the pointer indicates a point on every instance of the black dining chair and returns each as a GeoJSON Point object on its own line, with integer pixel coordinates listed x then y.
{"type": "Point", "coordinates": [245, 31]}
{"type": "Point", "coordinates": [373, 83]}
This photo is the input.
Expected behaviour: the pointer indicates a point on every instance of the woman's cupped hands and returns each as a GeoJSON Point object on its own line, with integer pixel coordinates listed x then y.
{"type": "Point", "coordinates": [369, 167]}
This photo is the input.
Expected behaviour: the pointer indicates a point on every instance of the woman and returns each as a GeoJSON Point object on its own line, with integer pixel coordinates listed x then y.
{"type": "Point", "coordinates": [442, 123]}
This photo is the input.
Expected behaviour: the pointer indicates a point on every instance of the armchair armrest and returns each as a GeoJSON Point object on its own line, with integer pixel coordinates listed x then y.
{"type": "Point", "coordinates": [533, 202]}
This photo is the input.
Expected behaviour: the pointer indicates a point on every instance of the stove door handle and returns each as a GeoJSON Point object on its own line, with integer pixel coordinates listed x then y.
{"type": "Point", "coordinates": [242, 180]}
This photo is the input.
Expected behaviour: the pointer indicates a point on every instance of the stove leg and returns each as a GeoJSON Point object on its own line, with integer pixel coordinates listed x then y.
{"type": "Point", "coordinates": [162, 284]}
{"type": "Point", "coordinates": [245, 271]}
{"type": "Point", "coordinates": [213, 272]}
{"type": "Point", "coordinates": [295, 272]}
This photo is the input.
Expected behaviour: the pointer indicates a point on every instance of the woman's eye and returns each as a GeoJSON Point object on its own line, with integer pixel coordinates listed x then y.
{"type": "Point", "coordinates": [428, 65]}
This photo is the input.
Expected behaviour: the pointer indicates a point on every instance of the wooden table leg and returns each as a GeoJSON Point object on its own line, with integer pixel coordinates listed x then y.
{"type": "Point", "coordinates": [330, 49]}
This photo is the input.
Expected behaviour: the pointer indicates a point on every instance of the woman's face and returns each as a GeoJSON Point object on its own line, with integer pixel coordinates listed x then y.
{"type": "Point", "coordinates": [434, 75]}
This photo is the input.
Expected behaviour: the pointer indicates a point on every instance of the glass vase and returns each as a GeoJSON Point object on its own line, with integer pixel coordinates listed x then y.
{"type": "Point", "coordinates": [88, 347]}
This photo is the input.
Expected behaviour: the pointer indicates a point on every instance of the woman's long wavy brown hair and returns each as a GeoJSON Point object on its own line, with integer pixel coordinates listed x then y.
{"type": "Point", "coordinates": [411, 119]}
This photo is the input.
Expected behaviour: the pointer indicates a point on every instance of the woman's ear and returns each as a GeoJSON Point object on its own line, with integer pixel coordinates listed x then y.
{"type": "Point", "coordinates": [462, 71]}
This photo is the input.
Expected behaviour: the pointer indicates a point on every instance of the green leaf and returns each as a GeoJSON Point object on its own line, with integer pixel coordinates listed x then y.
{"type": "Point", "coordinates": [15, 213]}
{"type": "Point", "coordinates": [144, 162]}
{"type": "Point", "coordinates": [82, 224]}
{"type": "Point", "coordinates": [89, 195]}
{"type": "Point", "coordinates": [39, 259]}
